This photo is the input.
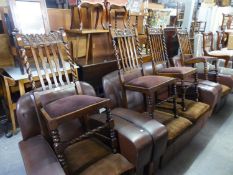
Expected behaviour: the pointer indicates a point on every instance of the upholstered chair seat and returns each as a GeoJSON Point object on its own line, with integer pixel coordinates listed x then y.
{"type": "Point", "coordinates": [150, 82]}
{"type": "Point", "coordinates": [68, 104]}
{"type": "Point", "coordinates": [177, 72]}
{"type": "Point", "coordinates": [175, 126]}
{"type": "Point", "coordinates": [194, 109]}
{"type": "Point", "coordinates": [115, 164]}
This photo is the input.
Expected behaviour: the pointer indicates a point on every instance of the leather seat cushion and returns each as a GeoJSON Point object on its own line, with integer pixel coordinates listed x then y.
{"type": "Point", "coordinates": [113, 164]}
{"type": "Point", "coordinates": [70, 104]}
{"type": "Point", "coordinates": [225, 90]}
{"type": "Point", "coordinates": [149, 81]}
{"type": "Point", "coordinates": [82, 154]}
{"type": "Point", "coordinates": [176, 127]}
{"type": "Point", "coordinates": [178, 72]}
{"type": "Point", "coordinates": [194, 110]}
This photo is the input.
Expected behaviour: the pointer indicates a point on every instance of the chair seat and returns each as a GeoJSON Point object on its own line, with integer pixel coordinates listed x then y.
{"type": "Point", "coordinates": [193, 112]}
{"type": "Point", "coordinates": [177, 72]}
{"type": "Point", "coordinates": [176, 127]}
{"type": "Point", "coordinates": [81, 155]}
{"type": "Point", "coordinates": [150, 82]}
{"type": "Point", "coordinates": [225, 90]}
{"type": "Point", "coordinates": [70, 104]}
{"type": "Point", "coordinates": [114, 164]}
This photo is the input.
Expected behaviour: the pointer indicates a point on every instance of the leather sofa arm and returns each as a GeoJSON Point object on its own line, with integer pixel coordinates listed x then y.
{"type": "Point", "coordinates": [39, 158]}
{"type": "Point", "coordinates": [157, 130]}
{"type": "Point", "coordinates": [134, 143]}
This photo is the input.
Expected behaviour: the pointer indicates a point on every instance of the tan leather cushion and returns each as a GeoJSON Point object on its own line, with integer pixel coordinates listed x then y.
{"type": "Point", "coordinates": [114, 164]}
{"type": "Point", "coordinates": [225, 90]}
{"type": "Point", "coordinates": [194, 110]}
{"type": "Point", "coordinates": [176, 127]}
{"type": "Point", "coordinates": [82, 154]}
{"type": "Point", "coordinates": [149, 81]}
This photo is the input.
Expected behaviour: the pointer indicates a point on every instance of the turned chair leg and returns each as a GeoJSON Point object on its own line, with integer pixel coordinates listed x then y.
{"type": "Point", "coordinates": [174, 101]}
{"type": "Point", "coordinates": [196, 86]}
{"type": "Point", "coordinates": [150, 105]}
{"type": "Point", "coordinates": [183, 95]}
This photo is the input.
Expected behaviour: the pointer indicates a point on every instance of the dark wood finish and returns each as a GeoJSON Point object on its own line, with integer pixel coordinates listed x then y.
{"type": "Point", "coordinates": [187, 53]}
{"type": "Point", "coordinates": [129, 59]}
{"type": "Point", "coordinates": [47, 50]}
{"type": "Point", "coordinates": [158, 51]}
{"type": "Point", "coordinates": [208, 42]}
{"type": "Point", "coordinates": [227, 21]}
{"type": "Point", "coordinates": [222, 39]}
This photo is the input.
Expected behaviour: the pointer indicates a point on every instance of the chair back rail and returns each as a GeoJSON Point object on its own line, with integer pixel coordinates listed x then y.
{"type": "Point", "coordinates": [157, 45]}
{"type": "Point", "coordinates": [208, 41]}
{"type": "Point", "coordinates": [185, 44]}
{"type": "Point", "coordinates": [127, 50]}
{"type": "Point", "coordinates": [49, 59]}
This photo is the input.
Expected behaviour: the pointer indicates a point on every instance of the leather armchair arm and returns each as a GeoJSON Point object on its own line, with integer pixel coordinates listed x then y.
{"type": "Point", "coordinates": [157, 130]}
{"type": "Point", "coordinates": [39, 158]}
{"type": "Point", "coordinates": [134, 142]}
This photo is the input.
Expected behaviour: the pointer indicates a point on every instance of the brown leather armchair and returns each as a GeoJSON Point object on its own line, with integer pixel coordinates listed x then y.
{"type": "Point", "coordinates": [179, 130]}
{"type": "Point", "coordinates": [135, 142]}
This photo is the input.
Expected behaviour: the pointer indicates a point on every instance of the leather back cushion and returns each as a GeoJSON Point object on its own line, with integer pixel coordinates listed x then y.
{"type": "Point", "coordinates": [113, 91]}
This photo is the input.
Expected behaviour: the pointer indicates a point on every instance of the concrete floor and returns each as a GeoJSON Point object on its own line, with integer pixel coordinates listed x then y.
{"type": "Point", "coordinates": [209, 153]}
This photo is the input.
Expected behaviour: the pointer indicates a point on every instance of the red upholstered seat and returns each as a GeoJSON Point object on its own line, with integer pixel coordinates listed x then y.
{"type": "Point", "coordinates": [150, 81]}
{"type": "Point", "coordinates": [70, 104]}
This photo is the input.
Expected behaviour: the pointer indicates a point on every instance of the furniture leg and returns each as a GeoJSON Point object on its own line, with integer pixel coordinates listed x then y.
{"type": "Point", "coordinates": [183, 95]}
{"type": "Point", "coordinates": [174, 101]}
{"type": "Point", "coordinates": [150, 105]}
{"type": "Point", "coordinates": [88, 47]}
{"type": "Point", "coordinates": [196, 86]}
{"type": "Point", "coordinates": [10, 104]}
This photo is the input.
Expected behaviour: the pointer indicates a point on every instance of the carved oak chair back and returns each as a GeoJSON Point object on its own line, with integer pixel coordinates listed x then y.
{"type": "Point", "coordinates": [49, 52]}
{"type": "Point", "coordinates": [227, 22]}
{"type": "Point", "coordinates": [185, 44]}
{"type": "Point", "coordinates": [222, 40]}
{"type": "Point", "coordinates": [208, 42]}
{"type": "Point", "coordinates": [127, 51]}
{"type": "Point", "coordinates": [158, 47]}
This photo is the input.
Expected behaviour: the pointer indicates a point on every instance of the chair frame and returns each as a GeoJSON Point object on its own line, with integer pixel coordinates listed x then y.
{"type": "Point", "coordinates": [186, 51]}
{"type": "Point", "coordinates": [36, 43]}
{"type": "Point", "coordinates": [129, 60]}
{"type": "Point", "coordinates": [158, 51]}
{"type": "Point", "coordinates": [209, 36]}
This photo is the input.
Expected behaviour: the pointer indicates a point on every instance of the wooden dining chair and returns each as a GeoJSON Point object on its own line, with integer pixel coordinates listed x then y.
{"type": "Point", "coordinates": [227, 21]}
{"type": "Point", "coordinates": [161, 64]}
{"type": "Point", "coordinates": [208, 49]}
{"type": "Point", "coordinates": [129, 60]}
{"type": "Point", "coordinates": [187, 57]}
{"type": "Point", "coordinates": [55, 110]}
{"type": "Point", "coordinates": [222, 39]}
{"type": "Point", "coordinates": [76, 11]}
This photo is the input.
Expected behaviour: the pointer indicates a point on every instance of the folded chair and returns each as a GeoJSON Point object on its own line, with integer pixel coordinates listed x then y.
{"type": "Point", "coordinates": [161, 64]}
{"type": "Point", "coordinates": [85, 153]}
{"type": "Point", "coordinates": [129, 60]}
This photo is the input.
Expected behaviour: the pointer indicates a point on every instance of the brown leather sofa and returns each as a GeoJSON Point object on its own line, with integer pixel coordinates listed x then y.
{"type": "Point", "coordinates": [180, 130]}
{"type": "Point", "coordinates": [136, 143]}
